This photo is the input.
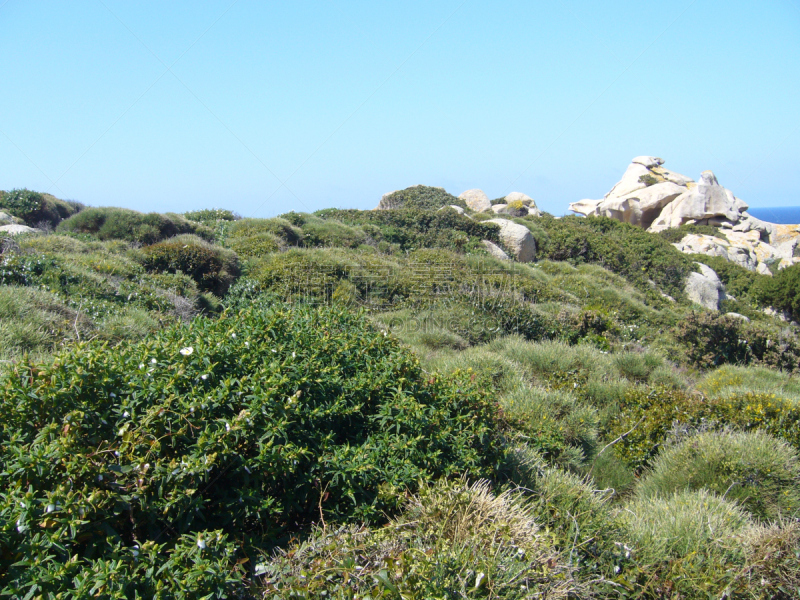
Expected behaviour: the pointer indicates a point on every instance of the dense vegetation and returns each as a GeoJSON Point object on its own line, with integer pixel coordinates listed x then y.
{"type": "Point", "coordinates": [357, 404]}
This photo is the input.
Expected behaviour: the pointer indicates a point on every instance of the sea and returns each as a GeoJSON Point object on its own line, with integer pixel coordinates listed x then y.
{"type": "Point", "coordinates": [782, 215]}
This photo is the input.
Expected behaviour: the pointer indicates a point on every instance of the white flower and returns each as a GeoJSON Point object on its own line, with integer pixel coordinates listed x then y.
{"type": "Point", "coordinates": [293, 355]}
{"type": "Point", "coordinates": [204, 377]}
{"type": "Point", "coordinates": [153, 361]}
{"type": "Point", "coordinates": [274, 350]}
{"type": "Point", "coordinates": [478, 579]}
{"type": "Point", "coordinates": [227, 427]}
{"type": "Point", "coordinates": [247, 344]}
{"type": "Point", "coordinates": [201, 544]}
{"type": "Point", "coordinates": [141, 365]}
{"type": "Point", "coordinates": [126, 414]}
{"type": "Point", "coordinates": [112, 395]}
{"type": "Point", "coordinates": [233, 335]}
{"type": "Point", "coordinates": [187, 351]}
{"type": "Point", "coordinates": [50, 508]}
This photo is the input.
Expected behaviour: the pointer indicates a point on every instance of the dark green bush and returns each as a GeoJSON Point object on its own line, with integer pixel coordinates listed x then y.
{"type": "Point", "coordinates": [711, 339]}
{"type": "Point", "coordinates": [781, 291]}
{"type": "Point", "coordinates": [252, 425]}
{"type": "Point", "coordinates": [281, 228]}
{"type": "Point", "coordinates": [622, 248]}
{"type": "Point", "coordinates": [36, 209]}
{"type": "Point", "coordinates": [213, 268]}
{"type": "Point", "coordinates": [676, 234]}
{"type": "Point", "coordinates": [411, 229]}
{"type": "Point", "coordinates": [131, 226]}
{"type": "Point", "coordinates": [421, 197]}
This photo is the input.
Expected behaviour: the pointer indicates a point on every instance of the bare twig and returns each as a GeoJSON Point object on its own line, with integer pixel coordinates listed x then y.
{"type": "Point", "coordinates": [75, 324]}
{"type": "Point", "coordinates": [619, 439]}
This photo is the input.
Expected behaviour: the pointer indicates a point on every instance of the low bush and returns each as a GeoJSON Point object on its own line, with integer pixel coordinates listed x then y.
{"type": "Point", "coordinates": [649, 418]}
{"type": "Point", "coordinates": [421, 197]}
{"type": "Point", "coordinates": [210, 216]}
{"type": "Point", "coordinates": [213, 268]}
{"type": "Point", "coordinates": [452, 540]}
{"type": "Point", "coordinates": [131, 226]}
{"type": "Point", "coordinates": [675, 234]}
{"type": "Point", "coordinates": [622, 248]}
{"type": "Point", "coordinates": [247, 426]}
{"type": "Point", "coordinates": [281, 228]}
{"type": "Point", "coordinates": [781, 291]}
{"type": "Point", "coordinates": [36, 209]}
{"type": "Point", "coordinates": [753, 469]}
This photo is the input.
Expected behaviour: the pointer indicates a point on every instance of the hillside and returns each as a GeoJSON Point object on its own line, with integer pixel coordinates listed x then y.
{"type": "Point", "coordinates": [444, 397]}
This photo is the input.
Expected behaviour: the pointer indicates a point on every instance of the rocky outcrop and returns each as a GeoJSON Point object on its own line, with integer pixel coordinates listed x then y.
{"type": "Point", "coordinates": [495, 250]}
{"type": "Point", "coordinates": [517, 238]}
{"type": "Point", "coordinates": [15, 229]}
{"type": "Point", "coordinates": [652, 197]}
{"type": "Point", "coordinates": [705, 288]}
{"type": "Point", "coordinates": [476, 200]}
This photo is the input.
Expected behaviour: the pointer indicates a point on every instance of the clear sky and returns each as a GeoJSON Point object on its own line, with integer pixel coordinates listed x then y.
{"type": "Point", "coordinates": [266, 107]}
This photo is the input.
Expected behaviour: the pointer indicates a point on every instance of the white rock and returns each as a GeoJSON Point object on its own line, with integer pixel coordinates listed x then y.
{"type": "Point", "coordinates": [705, 288]}
{"type": "Point", "coordinates": [15, 229]}
{"type": "Point", "coordinates": [495, 250]}
{"type": "Point", "coordinates": [526, 200]}
{"type": "Point", "coordinates": [516, 238]}
{"type": "Point", "coordinates": [476, 200]}
{"type": "Point", "coordinates": [630, 181]}
{"type": "Point", "coordinates": [763, 269]}
{"type": "Point", "coordinates": [706, 200]}
{"type": "Point", "coordinates": [734, 315]}
{"type": "Point", "coordinates": [587, 208]}
{"type": "Point", "coordinates": [648, 161]}
{"type": "Point", "coordinates": [643, 206]}
{"type": "Point", "coordinates": [499, 209]}
{"type": "Point", "coordinates": [458, 209]}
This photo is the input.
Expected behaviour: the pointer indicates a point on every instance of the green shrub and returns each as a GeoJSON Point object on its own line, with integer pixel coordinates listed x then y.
{"type": "Point", "coordinates": [620, 247]}
{"type": "Point", "coordinates": [675, 234]}
{"type": "Point", "coordinates": [755, 470]}
{"type": "Point", "coordinates": [331, 233]}
{"type": "Point", "coordinates": [711, 339]}
{"type": "Point", "coordinates": [281, 228]}
{"type": "Point", "coordinates": [648, 418]}
{"type": "Point", "coordinates": [452, 540]}
{"type": "Point", "coordinates": [781, 291]}
{"type": "Point", "coordinates": [254, 424]}
{"type": "Point", "coordinates": [131, 226]}
{"type": "Point", "coordinates": [689, 538]}
{"type": "Point", "coordinates": [213, 268]}
{"type": "Point", "coordinates": [421, 196]}
{"type": "Point", "coordinates": [36, 209]}
{"type": "Point", "coordinates": [210, 216]}
{"type": "Point", "coordinates": [257, 245]}
{"type": "Point", "coordinates": [740, 380]}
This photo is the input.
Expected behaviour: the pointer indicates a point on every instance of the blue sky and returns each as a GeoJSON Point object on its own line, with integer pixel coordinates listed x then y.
{"type": "Point", "coordinates": [266, 107]}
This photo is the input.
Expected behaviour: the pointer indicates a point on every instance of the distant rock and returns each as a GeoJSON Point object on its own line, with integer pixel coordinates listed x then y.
{"type": "Point", "coordinates": [654, 198]}
{"type": "Point", "coordinates": [526, 200]}
{"type": "Point", "coordinates": [517, 238]}
{"type": "Point", "coordinates": [705, 288]}
{"type": "Point", "coordinates": [476, 200]}
{"type": "Point", "coordinates": [734, 315]}
{"type": "Point", "coordinates": [495, 250]}
{"type": "Point", "coordinates": [515, 209]}
{"type": "Point", "coordinates": [15, 229]}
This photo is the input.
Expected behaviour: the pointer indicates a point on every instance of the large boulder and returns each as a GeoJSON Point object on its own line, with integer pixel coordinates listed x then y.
{"type": "Point", "coordinates": [495, 250]}
{"type": "Point", "coordinates": [706, 201]}
{"type": "Point", "coordinates": [7, 219]}
{"type": "Point", "coordinates": [526, 200]}
{"type": "Point", "coordinates": [517, 238]}
{"type": "Point", "coordinates": [705, 288]}
{"type": "Point", "coordinates": [15, 229]}
{"type": "Point", "coordinates": [476, 200]}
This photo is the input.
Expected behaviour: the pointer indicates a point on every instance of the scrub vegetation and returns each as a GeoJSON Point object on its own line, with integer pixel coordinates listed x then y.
{"type": "Point", "coordinates": [366, 404]}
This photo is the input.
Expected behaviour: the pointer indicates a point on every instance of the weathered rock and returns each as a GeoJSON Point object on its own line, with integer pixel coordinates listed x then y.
{"type": "Point", "coordinates": [643, 206]}
{"type": "Point", "coordinates": [526, 200]}
{"type": "Point", "coordinates": [587, 208]}
{"type": "Point", "coordinates": [705, 288]}
{"type": "Point", "coordinates": [763, 269]}
{"type": "Point", "coordinates": [517, 238]}
{"type": "Point", "coordinates": [648, 161]}
{"type": "Point", "coordinates": [15, 229]}
{"type": "Point", "coordinates": [495, 250]}
{"type": "Point", "coordinates": [630, 182]}
{"type": "Point", "coordinates": [707, 200]}
{"type": "Point", "coordinates": [476, 200]}
{"type": "Point", "coordinates": [741, 254]}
